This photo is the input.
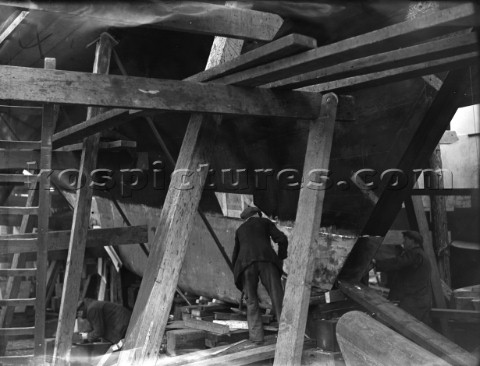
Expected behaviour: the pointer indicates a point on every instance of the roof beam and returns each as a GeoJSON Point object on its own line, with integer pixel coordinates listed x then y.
{"type": "Point", "coordinates": [68, 87]}
{"type": "Point", "coordinates": [192, 17]}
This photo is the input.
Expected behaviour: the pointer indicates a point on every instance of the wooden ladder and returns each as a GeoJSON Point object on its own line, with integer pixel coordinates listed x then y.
{"type": "Point", "coordinates": [18, 270]}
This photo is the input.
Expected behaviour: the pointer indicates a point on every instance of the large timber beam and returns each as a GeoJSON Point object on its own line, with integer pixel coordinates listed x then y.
{"type": "Point", "coordinates": [307, 224]}
{"type": "Point", "coordinates": [385, 39]}
{"type": "Point", "coordinates": [11, 23]}
{"type": "Point", "coordinates": [190, 16]}
{"type": "Point", "coordinates": [428, 123]}
{"type": "Point", "coordinates": [81, 220]}
{"type": "Point", "coordinates": [407, 325]}
{"type": "Point", "coordinates": [68, 87]}
{"type": "Point", "coordinates": [150, 315]}
{"type": "Point", "coordinates": [58, 240]}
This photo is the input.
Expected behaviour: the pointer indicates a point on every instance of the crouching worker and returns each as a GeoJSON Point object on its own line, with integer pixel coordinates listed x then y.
{"type": "Point", "coordinates": [254, 258]}
{"type": "Point", "coordinates": [109, 321]}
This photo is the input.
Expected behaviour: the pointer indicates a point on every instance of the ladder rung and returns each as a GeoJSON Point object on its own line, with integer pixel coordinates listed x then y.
{"type": "Point", "coordinates": [16, 178]}
{"type": "Point", "coordinates": [15, 360]}
{"type": "Point", "coordinates": [17, 331]}
{"type": "Point", "coordinates": [10, 210]}
{"type": "Point", "coordinates": [18, 272]}
{"type": "Point", "coordinates": [8, 144]}
{"type": "Point", "coordinates": [17, 302]}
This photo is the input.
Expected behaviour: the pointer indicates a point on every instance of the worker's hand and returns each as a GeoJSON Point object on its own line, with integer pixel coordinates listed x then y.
{"type": "Point", "coordinates": [79, 337]}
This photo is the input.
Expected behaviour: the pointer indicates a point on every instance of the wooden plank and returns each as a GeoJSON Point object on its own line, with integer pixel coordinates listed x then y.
{"type": "Point", "coordinates": [388, 38]}
{"type": "Point", "coordinates": [407, 325]}
{"type": "Point", "coordinates": [184, 338]}
{"type": "Point", "coordinates": [307, 223]}
{"type": "Point", "coordinates": [27, 272]}
{"type": "Point", "coordinates": [11, 23]}
{"type": "Point", "coordinates": [427, 51]}
{"type": "Point", "coordinates": [282, 47]}
{"type": "Point", "coordinates": [104, 145]}
{"type": "Point", "coordinates": [68, 87]}
{"type": "Point", "coordinates": [48, 127]}
{"type": "Point", "coordinates": [207, 326]}
{"type": "Point", "coordinates": [58, 240]}
{"type": "Point", "coordinates": [169, 245]}
{"type": "Point", "coordinates": [445, 192]}
{"type": "Point", "coordinates": [10, 210]}
{"type": "Point", "coordinates": [81, 217]}
{"type": "Point", "coordinates": [16, 331]}
{"type": "Point", "coordinates": [365, 341]}
{"type": "Point", "coordinates": [29, 145]}
{"type": "Point", "coordinates": [15, 178]}
{"type": "Point", "coordinates": [467, 316]}
{"type": "Point", "coordinates": [202, 18]}
{"type": "Point", "coordinates": [17, 302]}
{"type": "Point", "coordinates": [16, 360]}
{"type": "Point", "coordinates": [397, 74]}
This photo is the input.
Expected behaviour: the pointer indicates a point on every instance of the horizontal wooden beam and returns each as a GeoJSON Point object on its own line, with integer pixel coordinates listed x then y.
{"type": "Point", "coordinates": [397, 74]}
{"type": "Point", "coordinates": [192, 17]}
{"type": "Point", "coordinates": [58, 240]}
{"type": "Point", "coordinates": [6, 210]}
{"type": "Point", "coordinates": [381, 40]}
{"type": "Point", "coordinates": [16, 331]}
{"type": "Point", "coordinates": [16, 360]}
{"type": "Point", "coordinates": [28, 145]}
{"type": "Point", "coordinates": [445, 191]}
{"type": "Point", "coordinates": [282, 47]}
{"type": "Point", "coordinates": [427, 51]}
{"type": "Point", "coordinates": [18, 159]}
{"type": "Point", "coordinates": [68, 87]}
{"type": "Point", "coordinates": [17, 302]}
{"type": "Point", "coordinates": [103, 145]}
{"type": "Point", "coordinates": [467, 316]}
{"type": "Point", "coordinates": [9, 272]}
{"type": "Point", "coordinates": [16, 178]}
{"type": "Point", "coordinates": [407, 325]}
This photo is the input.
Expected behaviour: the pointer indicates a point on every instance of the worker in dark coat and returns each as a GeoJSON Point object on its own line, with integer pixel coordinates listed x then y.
{"type": "Point", "coordinates": [254, 258]}
{"type": "Point", "coordinates": [410, 285]}
{"type": "Point", "coordinates": [108, 320]}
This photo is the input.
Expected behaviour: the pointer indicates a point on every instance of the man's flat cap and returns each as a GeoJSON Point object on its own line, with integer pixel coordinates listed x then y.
{"type": "Point", "coordinates": [249, 211]}
{"type": "Point", "coordinates": [415, 235]}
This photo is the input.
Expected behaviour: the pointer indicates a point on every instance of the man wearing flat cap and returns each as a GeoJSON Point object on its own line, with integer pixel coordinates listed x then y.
{"type": "Point", "coordinates": [411, 283]}
{"type": "Point", "coordinates": [254, 258]}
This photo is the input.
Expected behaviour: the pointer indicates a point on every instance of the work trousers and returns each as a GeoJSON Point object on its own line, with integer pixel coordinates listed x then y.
{"type": "Point", "coordinates": [270, 276]}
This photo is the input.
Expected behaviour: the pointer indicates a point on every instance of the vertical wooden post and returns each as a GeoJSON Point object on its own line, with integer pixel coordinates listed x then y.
{"type": "Point", "coordinates": [307, 225]}
{"type": "Point", "coordinates": [81, 217]}
{"type": "Point", "coordinates": [438, 298]}
{"type": "Point", "coordinates": [150, 315]}
{"type": "Point", "coordinates": [438, 208]}
{"type": "Point", "coordinates": [48, 125]}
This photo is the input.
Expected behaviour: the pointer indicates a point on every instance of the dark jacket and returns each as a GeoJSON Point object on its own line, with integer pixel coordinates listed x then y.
{"type": "Point", "coordinates": [410, 284]}
{"type": "Point", "coordinates": [108, 320]}
{"type": "Point", "coordinates": [252, 244]}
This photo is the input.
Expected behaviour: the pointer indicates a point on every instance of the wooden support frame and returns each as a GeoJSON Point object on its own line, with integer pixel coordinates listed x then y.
{"type": "Point", "coordinates": [156, 293]}
{"type": "Point", "coordinates": [307, 223]}
{"type": "Point", "coordinates": [12, 22]}
{"type": "Point", "coordinates": [81, 217]}
{"type": "Point", "coordinates": [407, 325]}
